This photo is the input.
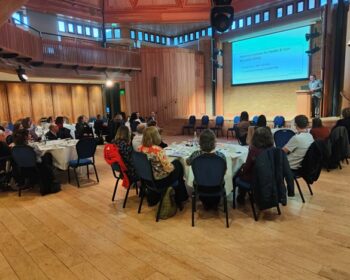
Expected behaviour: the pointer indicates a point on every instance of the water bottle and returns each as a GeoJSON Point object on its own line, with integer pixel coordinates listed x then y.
{"type": "Point", "coordinates": [195, 140]}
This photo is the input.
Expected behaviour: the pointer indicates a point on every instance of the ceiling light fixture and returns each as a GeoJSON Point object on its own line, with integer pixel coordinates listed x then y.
{"type": "Point", "coordinates": [109, 83]}
{"type": "Point", "coordinates": [21, 73]}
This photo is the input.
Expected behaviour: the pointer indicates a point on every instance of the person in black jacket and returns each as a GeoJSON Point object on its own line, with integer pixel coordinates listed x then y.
{"type": "Point", "coordinates": [345, 121]}
{"type": "Point", "coordinates": [82, 128]}
{"type": "Point", "coordinates": [98, 125]}
{"type": "Point", "coordinates": [53, 132]}
{"type": "Point", "coordinates": [63, 132]}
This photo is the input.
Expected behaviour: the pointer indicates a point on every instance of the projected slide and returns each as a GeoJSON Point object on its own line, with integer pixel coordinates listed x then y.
{"type": "Point", "coordinates": [275, 57]}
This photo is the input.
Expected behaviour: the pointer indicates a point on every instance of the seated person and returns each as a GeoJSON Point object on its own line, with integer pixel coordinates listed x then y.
{"type": "Point", "coordinates": [5, 155]}
{"type": "Point", "coordinates": [123, 142]}
{"type": "Point", "coordinates": [165, 172]}
{"type": "Point", "coordinates": [137, 140]}
{"type": "Point", "coordinates": [207, 142]}
{"type": "Point", "coordinates": [318, 131]}
{"type": "Point", "coordinates": [152, 117]}
{"type": "Point", "coordinates": [5, 127]}
{"type": "Point", "coordinates": [98, 125]}
{"type": "Point", "coordinates": [154, 123]}
{"type": "Point", "coordinates": [345, 121]}
{"type": "Point", "coordinates": [134, 121]}
{"type": "Point", "coordinates": [52, 134]}
{"type": "Point", "coordinates": [262, 140]}
{"type": "Point", "coordinates": [298, 145]}
{"type": "Point", "coordinates": [29, 125]}
{"type": "Point", "coordinates": [82, 128]}
{"type": "Point", "coordinates": [63, 132]}
{"type": "Point", "coordinates": [113, 126]}
{"type": "Point", "coordinates": [251, 129]}
{"type": "Point", "coordinates": [4, 148]}
{"type": "Point", "coordinates": [18, 125]}
{"type": "Point", "coordinates": [44, 165]}
{"type": "Point", "coordinates": [241, 128]}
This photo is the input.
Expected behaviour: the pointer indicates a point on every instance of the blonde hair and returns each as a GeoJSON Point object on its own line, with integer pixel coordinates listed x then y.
{"type": "Point", "coordinates": [151, 137]}
{"type": "Point", "coordinates": [123, 133]}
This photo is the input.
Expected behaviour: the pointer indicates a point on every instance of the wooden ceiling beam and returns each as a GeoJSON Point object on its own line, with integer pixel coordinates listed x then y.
{"type": "Point", "coordinates": [7, 8]}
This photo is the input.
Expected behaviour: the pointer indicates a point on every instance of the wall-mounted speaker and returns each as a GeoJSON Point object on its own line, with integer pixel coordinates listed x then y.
{"type": "Point", "coordinates": [221, 15]}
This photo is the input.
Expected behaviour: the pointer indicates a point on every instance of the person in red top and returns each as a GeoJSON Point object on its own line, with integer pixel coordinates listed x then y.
{"type": "Point", "coordinates": [318, 131]}
{"type": "Point", "coordinates": [262, 140]}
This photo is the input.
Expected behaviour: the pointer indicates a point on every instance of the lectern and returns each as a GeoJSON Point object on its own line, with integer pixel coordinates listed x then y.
{"type": "Point", "coordinates": [304, 102]}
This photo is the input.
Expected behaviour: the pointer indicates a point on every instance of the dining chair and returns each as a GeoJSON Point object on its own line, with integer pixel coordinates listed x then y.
{"type": "Point", "coordinates": [209, 172]}
{"type": "Point", "coordinates": [86, 149]}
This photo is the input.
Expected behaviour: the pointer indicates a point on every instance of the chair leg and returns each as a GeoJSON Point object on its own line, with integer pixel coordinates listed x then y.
{"type": "Point", "coordinates": [278, 209]}
{"type": "Point", "coordinates": [126, 196]}
{"type": "Point", "coordinates": [142, 192]}
{"type": "Point", "coordinates": [251, 198]}
{"type": "Point", "coordinates": [310, 189]}
{"type": "Point", "coordinates": [76, 176]}
{"type": "Point", "coordinates": [160, 205]}
{"type": "Point", "coordinates": [226, 210]}
{"type": "Point", "coordinates": [96, 173]}
{"type": "Point", "coordinates": [340, 167]}
{"type": "Point", "coordinates": [234, 197]}
{"type": "Point", "coordinates": [68, 175]}
{"type": "Point", "coordinates": [299, 189]}
{"type": "Point", "coordinates": [115, 189]}
{"type": "Point", "coordinates": [137, 188]}
{"type": "Point", "coordinates": [347, 161]}
{"type": "Point", "coordinates": [193, 206]}
{"type": "Point", "coordinates": [87, 172]}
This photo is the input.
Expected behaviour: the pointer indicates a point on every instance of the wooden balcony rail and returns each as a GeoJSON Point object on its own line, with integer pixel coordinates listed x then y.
{"type": "Point", "coordinates": [67, 51]}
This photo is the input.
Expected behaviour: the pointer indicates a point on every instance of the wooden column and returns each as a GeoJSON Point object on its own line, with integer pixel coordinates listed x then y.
{"type": "Point", "coordinates": [346, 85]}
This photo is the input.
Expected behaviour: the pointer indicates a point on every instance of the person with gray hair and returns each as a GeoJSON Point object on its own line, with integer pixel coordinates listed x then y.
{"type": "Point", "coordinates": [207, 144]}
{"type": "Point", "coordinates": [137, 140]}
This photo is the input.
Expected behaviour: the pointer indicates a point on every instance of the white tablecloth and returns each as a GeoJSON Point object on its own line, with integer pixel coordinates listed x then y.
{"type": "Point", "coordinates": [62, 151]}
{"type": "Point", "coordinates": [236, 155]}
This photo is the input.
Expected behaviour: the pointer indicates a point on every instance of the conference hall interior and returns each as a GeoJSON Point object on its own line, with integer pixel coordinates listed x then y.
{"type": "Point", "coordinates": [175, 139]}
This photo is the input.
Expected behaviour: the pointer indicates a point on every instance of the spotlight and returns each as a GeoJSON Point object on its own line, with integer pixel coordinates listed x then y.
{"type": "Point", "coordinates": [109, 83]}
{"type": "Point", "coordinates": [315, 49]}
{"type": "Point", "coordinates": [21, 73]}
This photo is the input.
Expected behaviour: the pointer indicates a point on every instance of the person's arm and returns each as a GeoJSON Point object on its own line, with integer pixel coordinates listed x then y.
{"type": "Point", "coordinates": [190, 159]}
{"type": "Point", "coordinates": [290, 146]}
{"type": "Point", "coordinates": [249, 164]}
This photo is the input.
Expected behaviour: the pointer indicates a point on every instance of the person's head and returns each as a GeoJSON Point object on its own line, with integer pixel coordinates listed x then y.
{"type": "Point", "coordinates": [301, 122]}
{"type": "Point", "coordinates": [123, 133]}
{"type": "Point", "coordinates": [123, 116]}
{"type": "Point", "coordinates": [98, 117]}
{"type": "Point", "coordinates": [244, 116]}
{"type": "Point", "coordinates": [118, 117]}
{"type": "Point", "coordinates": [151, 123]}
{"type": "Point", "coordinates": [207, 141]}
{"type": "Point", "coordinates": [59, 121]}
{"type": "Point", "coordinates": [312, 77]}
{"type": "Point", "coordinates": [261, 121]}
{"type": "Point", "coordinates": [137, 115]}
{"type": "Point", "coordinates": [2, 136]}
{"type": "Point", "coordinates": [140, 128]}
{"type": "Point", "coordinates": [80, 119]}
{"type": "Point", "coordinates": [49, 119]}
{"type": "Point", "coordinates": [262, 138]}
{"type": "Point", "coordinates": [27, 122]}
{"type": "Point", "coordinates": [153, 114]}
{"type": "Point", "coordinates": [316, 122]}
{"type": "Point", "coordinates": [133, 116]}
{"type": "Point", "coordinates": [346, 113]}
{"type": "Point", "coordinates": [53, 128]}
{"type": "Point", "coordinates": [20, 137]}
{"type": "Point", "coordinates": [151, 137]}
{"type": "Point", "coordinates": [18, 125]}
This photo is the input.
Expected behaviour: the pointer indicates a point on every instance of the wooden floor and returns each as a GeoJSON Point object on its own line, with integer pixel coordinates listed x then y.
{"type": "Point", "coordinates": [81, 234]}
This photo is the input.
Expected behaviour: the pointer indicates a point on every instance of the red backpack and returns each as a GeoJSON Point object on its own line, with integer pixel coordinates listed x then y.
{"type": "Point", "coordinates": [112, 155]}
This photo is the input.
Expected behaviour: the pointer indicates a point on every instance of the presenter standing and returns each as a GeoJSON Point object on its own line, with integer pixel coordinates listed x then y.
{"type": "Point", "coordinates": [315, 87]}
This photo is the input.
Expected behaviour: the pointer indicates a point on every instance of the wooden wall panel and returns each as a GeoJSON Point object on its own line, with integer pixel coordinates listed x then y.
{"type": "Point", "coordinates": [62, 101]}
{"type": "Point", "coordinates": [41, 101]}
{"type": "Point", "coordinates": [4, 107]}
{"type": "Point", "coordinates": [95, 101]}
{"type": "Point", "coordinates": [19, 100]}
{"type": "Point", "coordinates": [168, 83]}
{"type": "Point", "coordinates": [80, 101]}
{"type": "Point", "coordinates": [346, 86]}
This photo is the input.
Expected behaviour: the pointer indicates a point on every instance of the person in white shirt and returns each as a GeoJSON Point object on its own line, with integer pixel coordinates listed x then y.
{"type": "Point", "coordinates": [298, 145]}
{"type": "Point", "coordinates": [137, 140]}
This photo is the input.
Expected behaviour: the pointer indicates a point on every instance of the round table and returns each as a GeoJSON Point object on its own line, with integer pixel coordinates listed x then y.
{"type": "Point", "coordinates": [62, 151]}
{"type": "Point", "coordinates": [235, 154]}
